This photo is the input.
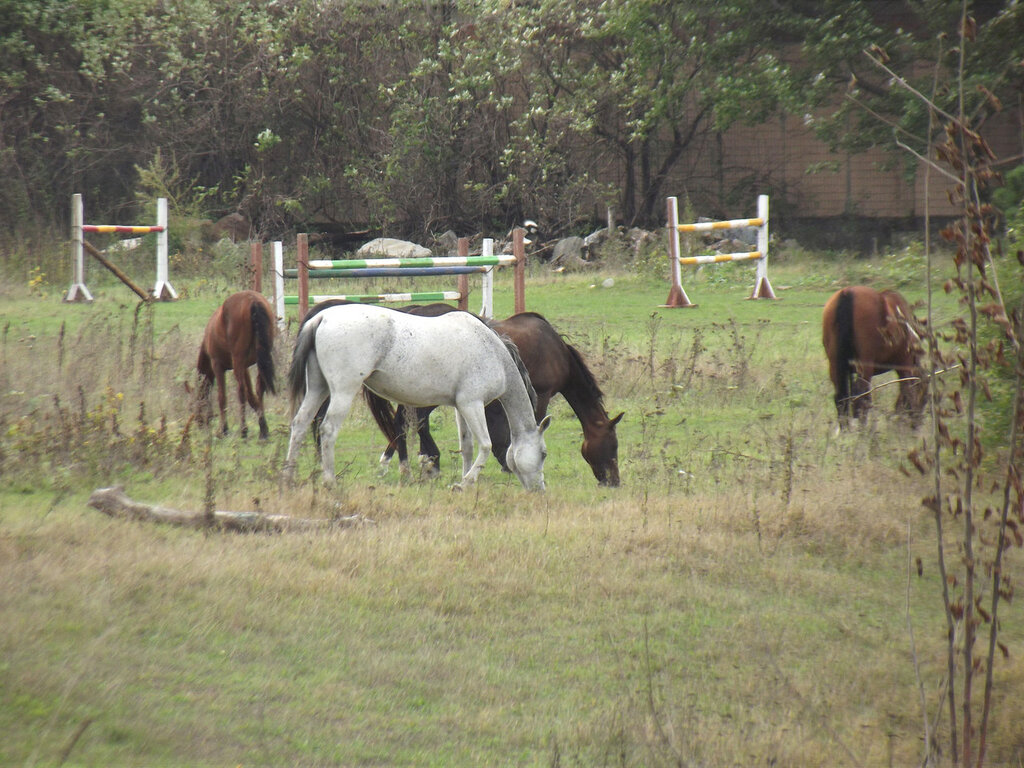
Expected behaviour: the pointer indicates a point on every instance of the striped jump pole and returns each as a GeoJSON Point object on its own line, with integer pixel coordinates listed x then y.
{"type": "Point", "coordinates": [762, 288]}
{"type": "Point", "coordinates": [78, 290]}
{"type": "Point", "coordinates": [376, 298]}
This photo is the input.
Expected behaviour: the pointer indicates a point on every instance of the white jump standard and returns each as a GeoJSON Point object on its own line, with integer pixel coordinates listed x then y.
{"type": "Point", "coordinates": [762, 288]}
{"type": "Point", "coordinates": [78, 291]}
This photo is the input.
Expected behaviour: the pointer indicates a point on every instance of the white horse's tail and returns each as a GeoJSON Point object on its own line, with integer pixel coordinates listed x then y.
{"type": "Point", "coordinates": [305, 345]}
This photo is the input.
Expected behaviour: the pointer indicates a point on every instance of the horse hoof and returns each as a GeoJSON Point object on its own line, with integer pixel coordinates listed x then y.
{"type": "Point", "coordinates": [458, 487]}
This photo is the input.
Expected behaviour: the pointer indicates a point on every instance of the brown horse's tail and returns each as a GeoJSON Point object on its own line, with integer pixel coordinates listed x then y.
{"type": "Point", "coordinates": [263, 333]}
{"type": "Point", "coordinates": [844, 352]}
{"type": "Point", "coordinates": [384, 414]}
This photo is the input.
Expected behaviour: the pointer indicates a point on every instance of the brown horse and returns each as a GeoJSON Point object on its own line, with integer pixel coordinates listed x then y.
{"type": "Point", "coordinates": [554, 367]}
{"type": "Point", "coordinates": [867, 333]}
{"type": "Point", "coordinates": [239, 334]}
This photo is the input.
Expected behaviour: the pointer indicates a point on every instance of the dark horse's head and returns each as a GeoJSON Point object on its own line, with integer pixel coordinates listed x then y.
{"type": "Point", "coordinates": [906, 333]}
{"type": "Point", "coordinates": [600, 449]}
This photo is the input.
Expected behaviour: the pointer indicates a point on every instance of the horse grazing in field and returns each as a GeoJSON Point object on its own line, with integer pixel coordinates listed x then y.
{"type": "Point", "coordinates": [554, 367]}
{"type": "Point", "coordinates": [866, 333]}
{"type": "Point", "coordinates": [239, 334]}
{"type": "Point", "coordinates": [453, 359]}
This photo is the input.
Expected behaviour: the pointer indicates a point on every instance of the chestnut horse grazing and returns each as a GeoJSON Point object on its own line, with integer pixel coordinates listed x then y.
{"type": "Point", "coordinates": [867, 333]}
{"type": "Point", "coordinates": [239, 334]}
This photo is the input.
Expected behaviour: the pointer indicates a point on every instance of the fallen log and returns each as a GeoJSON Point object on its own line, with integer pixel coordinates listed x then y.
{"type": "Point", "coordinates": [115, 503]}
{"type": "Point", "coordinates": [98, 255]}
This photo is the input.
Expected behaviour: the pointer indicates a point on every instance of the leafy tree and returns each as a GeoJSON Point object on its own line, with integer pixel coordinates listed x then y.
{"type": "Point", "coordinates": [645, 80]}
{"type": "Point", "coordinates": [516, 111]}
{"type": "Point", "coordinates": [852, 57]}
{"type": "Point", "coordinates": [67, 126]}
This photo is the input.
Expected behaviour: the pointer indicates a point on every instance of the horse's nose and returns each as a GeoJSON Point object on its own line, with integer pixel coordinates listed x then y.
{"type": "Point", "coordinates": [609, 476]}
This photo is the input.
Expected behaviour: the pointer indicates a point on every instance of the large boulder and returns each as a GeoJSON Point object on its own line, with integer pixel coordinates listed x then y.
{"type": "Point", "coordinates": [234, 227]}
{"type": "Point", "coordinates": [447, 244]}
{"type": "Point", "coordinates": [390, 248]}
{"type": "Point", "coordinates": [569, 255]}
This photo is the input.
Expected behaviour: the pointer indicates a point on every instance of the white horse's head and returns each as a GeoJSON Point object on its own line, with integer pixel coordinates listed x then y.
{"type": "Point", "coordinates": [526, 456]}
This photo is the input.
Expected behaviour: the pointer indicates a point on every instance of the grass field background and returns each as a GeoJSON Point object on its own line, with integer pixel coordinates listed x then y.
{"type": "Point", "coordinates": [743, 599]}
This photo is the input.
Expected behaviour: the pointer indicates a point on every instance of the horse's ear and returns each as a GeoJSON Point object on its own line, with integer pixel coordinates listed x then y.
{"type": "Point", "coordinates": [544, 423]}
{"type": "Point", "coordinates": [616, 420]}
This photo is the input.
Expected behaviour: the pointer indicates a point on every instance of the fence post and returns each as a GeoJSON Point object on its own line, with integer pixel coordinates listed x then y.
{"type": "Point", "coordinates": [676, 295]}
{"type": "Point", "coordinates": [302, 246]}
{"type": "Point", "coordinates": [279, 282]}
{"type": "Point", "coordinates": [256, 264]}
{"type": "Point", "coordinates": [463, 281]}
{"type": "Point", "coordinates": [762, 288]}
{"type": "Point", "coordinates": [77, 291]}
{"type": "Point", "coordinates": [163, 290]}
{"type": "Point", "coordinates": [487, 280]}
{"type": "Point", "coordinates": [519, 280]}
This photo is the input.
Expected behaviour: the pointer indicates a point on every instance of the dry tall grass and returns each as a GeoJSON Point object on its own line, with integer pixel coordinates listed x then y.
{"type": "Point", "coordinates": [741, 600]}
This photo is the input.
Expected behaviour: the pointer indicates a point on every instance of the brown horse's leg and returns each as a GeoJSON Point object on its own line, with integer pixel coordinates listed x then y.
{"type": "Point", "coordinates": [260, 389]}
{"type": "Point", "coordinates": [430, 454]}
{"type": "Point", "coordinates": [203, 405]}
{"type": "Point", "coordinates": [844, 410]}
{"type": "Point", "coordinates": [245, 395]}
{"type": "Point", "coordinates": [911, 400]}
{"type": "Point", "coordinates": [841, 396]}
{"type": "Point", "coordinates": [860, 395]}
{"type": "Point", "coordinates": [222, 399]}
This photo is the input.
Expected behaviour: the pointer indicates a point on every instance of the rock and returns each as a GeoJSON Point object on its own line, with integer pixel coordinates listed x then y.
{"type": "Point", "coordinates": [235, 227]}
{"type": "Point", "coordinates": [389, 247]}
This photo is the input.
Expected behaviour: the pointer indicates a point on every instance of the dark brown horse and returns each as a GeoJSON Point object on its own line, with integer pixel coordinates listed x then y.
{"type": "Point", "coordinates": [554, 367]}
{"type": "Point", "coordinates": [239, 334]}
{"type": "Point", "coordinates": [867, 333]}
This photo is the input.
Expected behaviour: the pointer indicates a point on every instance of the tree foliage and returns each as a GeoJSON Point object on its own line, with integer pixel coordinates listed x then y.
{"type": "Point", "coordinates": [853, 57]}
{"type": "Point", "coordinates": [407, 115]}
{"type": "Point", "coordinates": [417, 117]}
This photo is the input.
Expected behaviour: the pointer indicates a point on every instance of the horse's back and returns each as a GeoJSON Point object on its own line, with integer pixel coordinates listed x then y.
{"type": "Point", "coordinates": [412, 359]}
{"type": "Point", "coordinates": [237, 311]}
{"type": "Point", "coordinates": [542, 349]}
{"type": "Point", "coordinates": [232, 331]}
{"type": "Point", "coordinates": [430, 310]}
{"type": "Point", "coordinates": [869, 326]}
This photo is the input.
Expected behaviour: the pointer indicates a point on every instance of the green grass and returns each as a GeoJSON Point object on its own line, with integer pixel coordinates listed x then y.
{"type": "Point", "coordinates": [740, 600]}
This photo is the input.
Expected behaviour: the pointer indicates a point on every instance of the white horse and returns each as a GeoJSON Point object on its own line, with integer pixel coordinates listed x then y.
{"type": "Point", "coordinates": [454, 359]}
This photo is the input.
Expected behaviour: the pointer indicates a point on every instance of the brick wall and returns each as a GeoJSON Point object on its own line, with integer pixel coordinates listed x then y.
{"type": "Point", "coordinates": [812, 182]}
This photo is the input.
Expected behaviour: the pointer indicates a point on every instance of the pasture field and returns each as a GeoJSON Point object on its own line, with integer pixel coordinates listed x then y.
{"type": "Point", "coordinates": [744, 598]}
